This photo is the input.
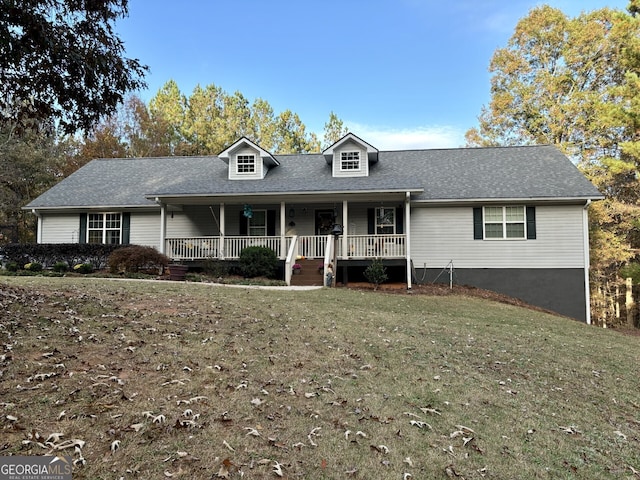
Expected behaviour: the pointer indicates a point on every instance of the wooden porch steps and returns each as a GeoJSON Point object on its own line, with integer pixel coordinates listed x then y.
{"type": "Point", "coordinates": [309, 274]}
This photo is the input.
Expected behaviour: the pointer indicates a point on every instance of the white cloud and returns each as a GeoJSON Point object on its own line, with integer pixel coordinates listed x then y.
{"type": "Point", "coordinates": [426, 137]}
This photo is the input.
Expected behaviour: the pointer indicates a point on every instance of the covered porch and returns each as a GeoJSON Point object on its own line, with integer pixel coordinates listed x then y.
{"type": "Point", "coordinates": [192, 230]}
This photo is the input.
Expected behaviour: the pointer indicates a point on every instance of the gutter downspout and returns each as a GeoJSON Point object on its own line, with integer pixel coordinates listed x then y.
{"type": "Point", "coordinates": [587, 286]}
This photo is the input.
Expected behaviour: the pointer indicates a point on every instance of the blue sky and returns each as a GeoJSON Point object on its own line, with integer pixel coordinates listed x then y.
{"type": "Point", "coordinates": [399, 73]}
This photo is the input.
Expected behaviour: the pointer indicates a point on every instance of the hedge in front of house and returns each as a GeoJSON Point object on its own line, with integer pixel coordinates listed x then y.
{"type": "Point", "coordinates": [49, 254]}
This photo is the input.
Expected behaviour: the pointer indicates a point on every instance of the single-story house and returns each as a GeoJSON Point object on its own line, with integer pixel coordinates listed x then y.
{"type": "Point", "coordinates": [508, 219]}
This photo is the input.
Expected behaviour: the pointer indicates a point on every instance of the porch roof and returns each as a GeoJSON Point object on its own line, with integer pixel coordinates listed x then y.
{"type": "Point", "coordinates": [531, 172]}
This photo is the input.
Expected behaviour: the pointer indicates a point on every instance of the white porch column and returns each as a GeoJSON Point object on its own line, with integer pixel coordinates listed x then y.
{"type": "Point", "coordinates": [39, 228]}
{"type": "Point", "coordinates": [222, 224]}
{"type": "Point", "coordinates": [345, 229]}
{"type": "Point", "coordinates": [163, 228]}
{"type": "Point", "coordinates": [283, 229]}
{"type": "Point", "coordinates": [407, 229]}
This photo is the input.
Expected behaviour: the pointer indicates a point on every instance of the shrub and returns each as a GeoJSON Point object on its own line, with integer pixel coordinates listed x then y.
{"type": "Point", "coordinates": [258, 262]}
{"type": "Point", "coordinates": [11, 266]}
{"type": "Point", "coordinates": [33, 267]}
{"type": "Point", "coordinates": [60, 267]}
{"type": "Point", "coordinates": [376, 273]}
{"type": "Point", "coordinates": [216, 268]}
{"type": "Point", "coordinates": [83, 268]}
{"type": "Point", "coordinates": [136, 258]}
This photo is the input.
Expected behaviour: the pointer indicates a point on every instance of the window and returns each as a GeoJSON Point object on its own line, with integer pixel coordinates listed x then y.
{"type": "Point", "coordinates": [246, 163]}
{"type": "Point", "coordinates": [258, 223]}
{"type": "Point", "coordinates": [104, 228]}
{"type": "Point", "coordinates": [504, 222]}
{"type": "Point", "coordinates": [350, 160]}
{"type": "Point", "coordinates": [385, 220]}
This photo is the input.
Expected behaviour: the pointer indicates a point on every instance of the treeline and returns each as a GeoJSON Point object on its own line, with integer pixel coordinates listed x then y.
{"type": "Point", "coordinates": [172, 123]}
{"type": "Point", "coordinates": [575, 83]}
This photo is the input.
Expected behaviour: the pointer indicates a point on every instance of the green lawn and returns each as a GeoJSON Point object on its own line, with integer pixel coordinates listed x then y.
{"type": "Point", "coordinates": [185, 380]}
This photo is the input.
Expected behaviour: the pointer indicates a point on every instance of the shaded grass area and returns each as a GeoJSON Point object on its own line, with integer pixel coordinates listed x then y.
{"type": "Point", "coordinates": [167, 380]}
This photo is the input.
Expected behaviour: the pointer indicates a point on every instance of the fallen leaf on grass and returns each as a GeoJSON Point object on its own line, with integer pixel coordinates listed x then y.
{"type": "Point", "coordinates": [380, 449]}
{"type": "Point", "coordinates": [136, 427]}
{"type": "Point", "coordinates": [450, 471]}
{"type": "Point", "coordinates": [571, 429]}
{"type": "Point", "coordinates": [314, 433]}
{"type": "Point", "coordinates": [277, 469]}
{"type": "Point", "coordinates": [432, 411]}
{"type": "Point", "coordinates": [420, 424]}
{"type": "Point", "coordinates": [620, 434]}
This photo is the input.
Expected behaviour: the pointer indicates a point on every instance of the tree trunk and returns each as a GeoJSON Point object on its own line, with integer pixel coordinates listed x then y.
{"type": "Point", "coordinates": [630, 303]}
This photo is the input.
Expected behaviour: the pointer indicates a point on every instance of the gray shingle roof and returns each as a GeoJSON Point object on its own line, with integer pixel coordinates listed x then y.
{"type": "Point", "coordinates": [530, 172]}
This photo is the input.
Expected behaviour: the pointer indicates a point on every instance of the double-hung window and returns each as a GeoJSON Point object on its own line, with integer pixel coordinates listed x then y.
{"type": "Point", "coordinates": [246, 163]}
{"type": "Point", "coordinates": [350, 160]}
{"type": "Point", "coordinates": [104, 228]}
{"type": "Point", "coordinates": [385, 220]}
{"type": "Point", "coordinates": [504, 222]}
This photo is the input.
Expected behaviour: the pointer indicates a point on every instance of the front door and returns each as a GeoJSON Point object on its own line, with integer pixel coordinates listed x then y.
{"type": "Point", "coordinates": [324, 221]}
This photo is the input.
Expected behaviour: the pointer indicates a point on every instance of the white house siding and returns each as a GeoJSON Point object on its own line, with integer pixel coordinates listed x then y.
{"type": "Point", "coordinates": [145, 229]}
{"type": "Point", "coordinates": [191, 221]}
{"type": "Point", "coordinates": [364, 162]}
{"type": "Point", "coordinates": [60, 228]}
{"type": "Point", "coordinates": [443, 234]}
{"type": "Point", "coordinates": [233, 165]}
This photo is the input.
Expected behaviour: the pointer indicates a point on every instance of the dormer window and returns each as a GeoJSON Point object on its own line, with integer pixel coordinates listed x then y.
{"type": "Point", "coordinates": [350, 157]}
{"type": "Point", "coordinates": [247, 161]}
{"type": "Point", "coordinates": [246, 164]}
{"type": "Point", "coordinates": [350, 160]}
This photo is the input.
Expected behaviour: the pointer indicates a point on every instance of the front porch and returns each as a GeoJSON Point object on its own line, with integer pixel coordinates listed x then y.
{"type": "Point", "coordinates": [369, 229]}
{"type": "Point", "coordinates": [327, 249]}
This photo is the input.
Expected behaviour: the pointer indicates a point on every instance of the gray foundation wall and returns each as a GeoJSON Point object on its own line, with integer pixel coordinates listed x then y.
{"type": "Point", "coordinates": [559, 290]}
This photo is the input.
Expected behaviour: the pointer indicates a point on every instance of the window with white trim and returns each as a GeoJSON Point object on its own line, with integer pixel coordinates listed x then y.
{"type": "Point", "coordinates": [504, 222]}
{"type": "Point", "coordinates": [385, 220]}
{"type": "Point", "coordinates": [350, 160]}
{"type": "Point", "coordinates": [258, 223]}
{"type": "Point", "coordinates": [245, 164]}
{"type": "Point", "coordinates": [104, 228]}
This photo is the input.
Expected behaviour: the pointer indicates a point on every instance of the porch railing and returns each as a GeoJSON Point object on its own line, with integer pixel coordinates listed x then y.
{"type": "Point", "coordinates": [309, 246]}
{"type": "Point", "coordinates": [193, 248]}
{"type": "Point", "coordinates": [234, 245]}
{"type": "Point", "coordinates": [312, 246]}
{"type": "Point", "coordinates": [374, 246]}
